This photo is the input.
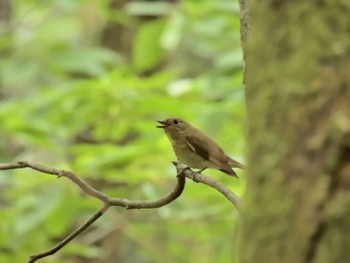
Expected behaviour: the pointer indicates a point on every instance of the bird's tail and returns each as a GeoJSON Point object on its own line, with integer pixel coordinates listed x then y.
{"type": "Point", "coordinates": [234, 163]}
{"type": "Point", "coordinates": [229, 171]}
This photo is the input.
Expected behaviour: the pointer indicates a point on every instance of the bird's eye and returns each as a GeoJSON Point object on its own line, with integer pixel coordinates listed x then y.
{"type": "Point", "coordinates": [176, 121]}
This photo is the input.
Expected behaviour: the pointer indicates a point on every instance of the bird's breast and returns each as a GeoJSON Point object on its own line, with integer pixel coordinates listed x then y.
{"type": "Point", "coordinates": [187, 156]}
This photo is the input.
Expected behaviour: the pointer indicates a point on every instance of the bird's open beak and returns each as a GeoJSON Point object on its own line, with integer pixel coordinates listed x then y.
{"type": "Point", "coordinates": [161, 126]}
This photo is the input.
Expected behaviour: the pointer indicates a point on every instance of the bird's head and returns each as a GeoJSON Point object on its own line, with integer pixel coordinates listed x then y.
{"type": "Point", "coordinates": [174, 127]}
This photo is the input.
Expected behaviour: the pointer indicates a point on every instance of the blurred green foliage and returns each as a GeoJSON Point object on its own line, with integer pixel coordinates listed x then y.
{"type": "Point", "coordinates": [69, 102]}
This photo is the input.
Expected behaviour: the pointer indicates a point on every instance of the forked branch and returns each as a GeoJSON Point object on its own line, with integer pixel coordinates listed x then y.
{"type": "Point", "coordinates": [182, 172]}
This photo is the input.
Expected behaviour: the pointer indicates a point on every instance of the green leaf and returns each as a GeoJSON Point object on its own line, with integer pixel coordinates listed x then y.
{"type": "Point", "coordinates": [147, 8]}
{"type": "Point", "coordinates": [147, 51]}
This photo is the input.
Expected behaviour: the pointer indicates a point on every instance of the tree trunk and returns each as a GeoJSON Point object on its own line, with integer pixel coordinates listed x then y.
{"type": "Point", "coordinates": [5, 29]}
{"type": "Point", "coordinates": [297, 206]}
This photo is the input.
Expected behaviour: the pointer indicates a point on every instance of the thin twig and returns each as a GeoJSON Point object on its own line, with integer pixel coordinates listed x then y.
{"type": "Point", "coordinates": [69, 238]}
{"type": "Point", "coordinates": [108, 201]}
{"type": "Point", "coordinates": [200, 178]}
{"type": "Point", "coordinates": [182, 172]}
{"type": "Point", "coordinates": [112, 201]}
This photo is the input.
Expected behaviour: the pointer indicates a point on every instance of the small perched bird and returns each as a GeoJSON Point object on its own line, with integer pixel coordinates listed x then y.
{"type": "Point", "coordinates": [195, 149]}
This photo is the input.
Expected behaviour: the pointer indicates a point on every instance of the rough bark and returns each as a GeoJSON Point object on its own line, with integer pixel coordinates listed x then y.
{"type": "Point", "coordinates": [5, 29]}
{"type": "Point", "coordinates": [297, 207]}
{"type": "Point", "coordinates": [245, 22]}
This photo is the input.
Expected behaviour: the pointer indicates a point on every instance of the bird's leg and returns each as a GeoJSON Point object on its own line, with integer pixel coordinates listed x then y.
{"type": "Point", "coordinates": [181, 168]}
{"type": "Point", "coordinates": [182, 172]}
{"type": "Point", "coordinates": [201, 170]}
{"type": "Point", "coordinates": [198, 172]}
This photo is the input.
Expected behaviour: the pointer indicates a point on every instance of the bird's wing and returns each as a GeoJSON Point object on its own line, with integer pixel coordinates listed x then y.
{"type": "Point", "coordinates": [196, 146]}
{"type": "Point", "coordinates": [217, 155]}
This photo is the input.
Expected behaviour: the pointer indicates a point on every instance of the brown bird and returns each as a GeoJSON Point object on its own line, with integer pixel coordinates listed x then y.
{"type": "Point", "coordinates": [195, 149]}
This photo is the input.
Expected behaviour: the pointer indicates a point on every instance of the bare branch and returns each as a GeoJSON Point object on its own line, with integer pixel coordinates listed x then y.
{"type": "Point", "coordinates": [200, 178]}
{"type": "Point", "coordinates": [108, 201]}
{"type": "Point", "coordinates": [112, 201]}
{"type": "Point", "coordinates": [69, 238]}
{"type": "Point", "coordinates": [182, 170]}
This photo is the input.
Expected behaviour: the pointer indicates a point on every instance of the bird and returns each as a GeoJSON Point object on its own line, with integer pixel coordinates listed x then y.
{"type": "Point", "coordinates": [195, 149]}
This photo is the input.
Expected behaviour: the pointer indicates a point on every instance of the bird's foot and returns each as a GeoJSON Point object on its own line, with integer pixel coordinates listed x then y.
{"type": "Point", "coordinates": [195, 177]}
{"type": "Point", "coordinates": [182, 170]}
{"type": "Point", "coordinates": [197, 173]}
